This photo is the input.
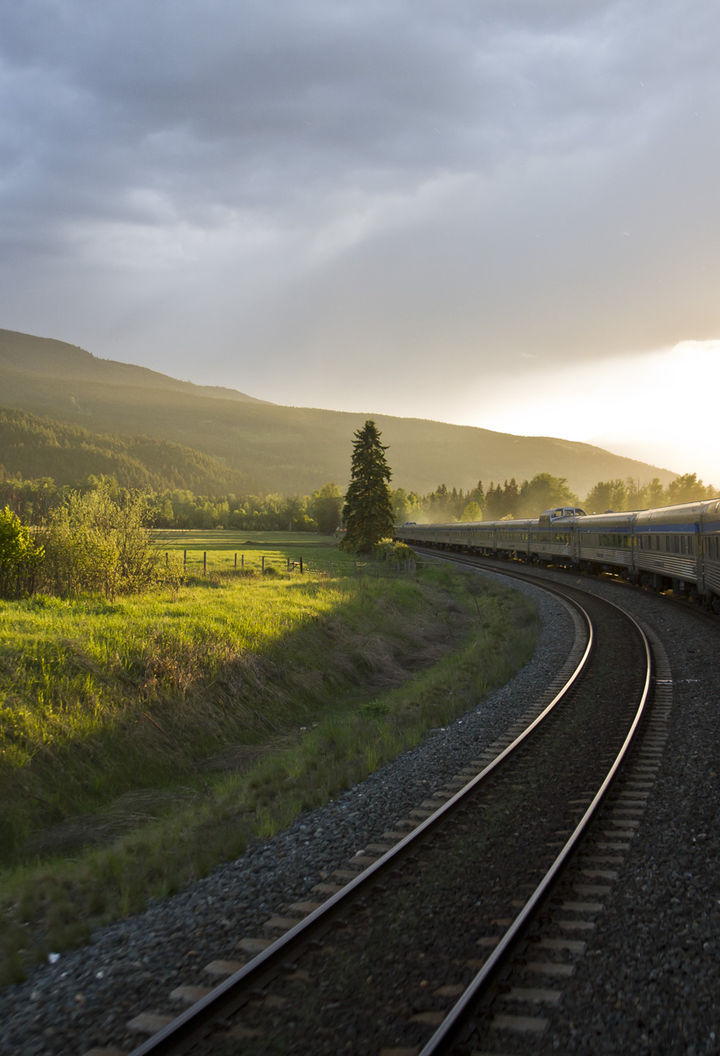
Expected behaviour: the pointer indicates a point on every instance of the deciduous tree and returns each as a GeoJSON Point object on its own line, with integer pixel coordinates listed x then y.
{"type": "Point", "coordinates": [20, 558]}
{"type": "Point", "coordinates": [326, 506]}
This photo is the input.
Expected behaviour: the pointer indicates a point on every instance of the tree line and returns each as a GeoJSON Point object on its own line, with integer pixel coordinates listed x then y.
{"type": "Point", "coordinates": [35, 500]}
{"type": "Point", "coordinates": [544, 491]}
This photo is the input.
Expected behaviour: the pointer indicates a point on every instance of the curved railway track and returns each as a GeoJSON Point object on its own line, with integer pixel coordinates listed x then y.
{"type": "Point", "coordinates": [417, 928]}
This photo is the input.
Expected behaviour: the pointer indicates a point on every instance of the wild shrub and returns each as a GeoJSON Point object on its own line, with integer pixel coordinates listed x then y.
{"type": "Point", "coordinates": [20, 557]}
{"type": "Point", "coordinates": [97, 544]}
{"type": "Point", "coordinates": [394, 553]}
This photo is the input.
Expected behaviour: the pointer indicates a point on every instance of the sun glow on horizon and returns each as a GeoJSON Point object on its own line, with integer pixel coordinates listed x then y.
{"type": "Point", "coordinates": [657, 407]}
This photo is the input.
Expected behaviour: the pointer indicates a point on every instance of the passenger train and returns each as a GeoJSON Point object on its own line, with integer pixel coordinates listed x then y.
{"type": "Point", "coordinates": [674, 548]}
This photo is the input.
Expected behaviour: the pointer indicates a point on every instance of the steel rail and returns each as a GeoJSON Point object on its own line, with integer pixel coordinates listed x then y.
{"type": "Point", "coordinates": [228, 993]}
{"type": "Point", "coordinates": [453, 1023]}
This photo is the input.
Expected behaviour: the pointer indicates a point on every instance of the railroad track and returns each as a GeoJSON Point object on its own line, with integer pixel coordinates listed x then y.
{"type": "Point", "coordinates": [412, 935]}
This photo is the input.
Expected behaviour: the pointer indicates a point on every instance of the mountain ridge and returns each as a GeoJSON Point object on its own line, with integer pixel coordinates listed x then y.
{"type": "Point", "coordinates": [279, 448]}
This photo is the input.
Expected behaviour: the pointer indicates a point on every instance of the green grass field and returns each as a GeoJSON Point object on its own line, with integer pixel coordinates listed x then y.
{"type": "Point", "coordinates": [229, 550]}
{"type": "Point", "coordinates": [145, 740]}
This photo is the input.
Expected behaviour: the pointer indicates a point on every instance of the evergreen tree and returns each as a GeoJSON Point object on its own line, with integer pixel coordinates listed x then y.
{"type": "Point", "coordinates": [368, 512]}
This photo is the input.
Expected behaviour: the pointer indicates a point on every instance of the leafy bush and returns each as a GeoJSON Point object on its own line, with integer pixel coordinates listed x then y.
{"type": "Point", "coordinates": [394, 553]}
{"type": "Point", "coordinates": [20, 558]}
{"type": "Point", "coordinates": [99, 545]}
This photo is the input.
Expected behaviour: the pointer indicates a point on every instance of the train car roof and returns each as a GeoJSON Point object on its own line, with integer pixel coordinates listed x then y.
{"type": "Point", "coordinates": [604, 520]}
{"type": "Point", "coordinates": [684, 513]}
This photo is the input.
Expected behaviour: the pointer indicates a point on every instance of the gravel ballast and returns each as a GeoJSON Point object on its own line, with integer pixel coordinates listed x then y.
{"type": "Point", "coordinates": [662, 920]}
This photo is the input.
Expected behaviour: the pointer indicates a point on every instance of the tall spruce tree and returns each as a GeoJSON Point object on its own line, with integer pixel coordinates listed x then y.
{"type": "Point", "coordinates": [368, 512]}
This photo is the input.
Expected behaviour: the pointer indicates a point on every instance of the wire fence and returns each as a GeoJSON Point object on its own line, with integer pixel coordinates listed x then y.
{"type": "Point", "coordinates": [208, 562]}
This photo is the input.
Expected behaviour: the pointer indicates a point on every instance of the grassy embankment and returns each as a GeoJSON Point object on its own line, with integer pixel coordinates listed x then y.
{"type": "Point", "coordinates": [145, 740]}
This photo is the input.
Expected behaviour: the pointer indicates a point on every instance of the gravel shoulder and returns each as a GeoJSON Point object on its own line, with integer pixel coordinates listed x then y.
{"type": "Point", "coordinates": [648, 982]}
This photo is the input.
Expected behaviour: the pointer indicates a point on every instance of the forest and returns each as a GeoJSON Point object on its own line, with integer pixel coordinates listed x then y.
{"type": "Point", "coordinates": [34, 500]}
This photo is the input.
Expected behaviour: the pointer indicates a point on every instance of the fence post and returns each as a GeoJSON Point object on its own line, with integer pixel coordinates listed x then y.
{"type": "Point", "coordinates": [236, 562]}
{"type": "Point", "coordinates": [263, 562]}
{"type": "Point", "coordinates": [301, 565]}
{"type": "Point", "coordinates": [204, 562]}
{"type": "Point", "coordinates": [242, 562]}
{"type": "Point", "coordinates": [331, 570]}
{"type": "Point", "coordinates": [184, 560]}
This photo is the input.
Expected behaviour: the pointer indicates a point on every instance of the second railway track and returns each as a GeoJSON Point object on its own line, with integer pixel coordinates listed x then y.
{"type": "Point", "coordinates": [383, 965]}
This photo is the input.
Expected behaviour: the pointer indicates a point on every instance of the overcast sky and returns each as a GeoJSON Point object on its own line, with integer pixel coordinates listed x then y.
{"type": "Point", "coordinates": [496, 212]}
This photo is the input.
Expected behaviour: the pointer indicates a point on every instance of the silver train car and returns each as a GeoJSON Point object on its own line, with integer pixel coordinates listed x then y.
{"type": "Point", "coordinates": [674, 548]}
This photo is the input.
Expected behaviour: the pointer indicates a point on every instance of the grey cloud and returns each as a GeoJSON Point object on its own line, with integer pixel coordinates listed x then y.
{"type": "Point", "coordinates": [287, 149]}
{"type": "Point", "coordinates": [331, 89]}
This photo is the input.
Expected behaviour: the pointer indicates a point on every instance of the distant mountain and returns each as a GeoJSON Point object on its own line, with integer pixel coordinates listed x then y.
{"type": "Point", "coordinates": [291, 450]}
{"type": "Point", "coordinates": [44, 356]}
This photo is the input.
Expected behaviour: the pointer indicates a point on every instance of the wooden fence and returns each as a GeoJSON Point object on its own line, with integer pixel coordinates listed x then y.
{"type": "Point", "coordinates": [288, 564]}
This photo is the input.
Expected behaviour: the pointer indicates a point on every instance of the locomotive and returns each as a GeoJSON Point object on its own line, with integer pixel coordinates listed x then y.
{"type": "Point", "coordinates": [673, 548]}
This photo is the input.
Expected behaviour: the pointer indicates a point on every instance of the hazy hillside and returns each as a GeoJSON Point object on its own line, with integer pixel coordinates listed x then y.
{"type": "Point", "coordinates": [43, 356]}
{"type": "Point", "coordinates": [274, 448]}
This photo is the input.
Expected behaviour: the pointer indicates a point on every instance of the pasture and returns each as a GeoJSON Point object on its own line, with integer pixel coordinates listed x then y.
{"type": "Point", "coordinates": [227, 550]}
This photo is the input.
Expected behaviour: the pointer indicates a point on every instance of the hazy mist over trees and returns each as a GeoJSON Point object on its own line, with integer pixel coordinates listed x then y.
{"type": "Point", "coordinates": [33, 501]}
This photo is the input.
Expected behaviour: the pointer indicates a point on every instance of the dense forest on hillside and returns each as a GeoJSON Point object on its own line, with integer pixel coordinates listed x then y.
{"type": "Point", "coordinates": [34, 447]}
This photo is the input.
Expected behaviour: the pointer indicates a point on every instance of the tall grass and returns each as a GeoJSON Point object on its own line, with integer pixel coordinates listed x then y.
{"type": "Point", "coordinates": [143, 741]}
